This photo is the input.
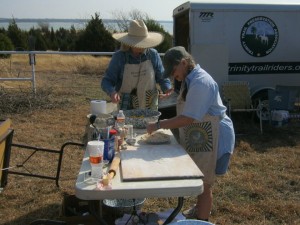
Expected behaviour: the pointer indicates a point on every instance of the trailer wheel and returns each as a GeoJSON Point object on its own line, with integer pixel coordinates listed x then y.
{"type": "Point", "coordinates": [261, 100]}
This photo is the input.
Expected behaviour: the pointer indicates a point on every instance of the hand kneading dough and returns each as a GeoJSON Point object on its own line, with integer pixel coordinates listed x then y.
{"type": "Point", "coordinates": [157, 137]}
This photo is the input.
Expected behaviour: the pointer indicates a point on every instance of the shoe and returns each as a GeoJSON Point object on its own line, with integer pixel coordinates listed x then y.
{"type": "Point", "coordinates": [190, 213]}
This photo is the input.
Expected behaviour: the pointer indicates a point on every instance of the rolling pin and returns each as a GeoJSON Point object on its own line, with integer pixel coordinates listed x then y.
{"type": "Point", "coordinates": [114, 166]}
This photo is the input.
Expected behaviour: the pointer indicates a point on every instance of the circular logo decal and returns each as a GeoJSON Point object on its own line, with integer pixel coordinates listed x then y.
{"type": "Point", "coordinates": [259, 36]}
{"type": "Point", "coordinates": [198, 137]}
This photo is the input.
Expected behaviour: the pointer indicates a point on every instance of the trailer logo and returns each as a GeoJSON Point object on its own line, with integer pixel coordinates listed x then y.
{"type": "Point", "coordinates": [206, 16]}
{"type": "Point", "coordinates": [259, 36]}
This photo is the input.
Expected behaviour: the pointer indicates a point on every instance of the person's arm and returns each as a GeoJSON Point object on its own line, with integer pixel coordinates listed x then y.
{"type": "Point", "coordinates": [164, 83]}
{"type": "Point", "coordinates": [112, 79]}
{"type": "Point", "coordinates": [175, 122]}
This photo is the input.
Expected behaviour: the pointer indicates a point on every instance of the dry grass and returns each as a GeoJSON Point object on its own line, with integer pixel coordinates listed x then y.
{"type": "Point", "coordinates": [262, 186]}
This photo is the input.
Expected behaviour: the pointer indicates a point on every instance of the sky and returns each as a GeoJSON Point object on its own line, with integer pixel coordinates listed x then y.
{"type": "Point", "coordinates": [84, 9]}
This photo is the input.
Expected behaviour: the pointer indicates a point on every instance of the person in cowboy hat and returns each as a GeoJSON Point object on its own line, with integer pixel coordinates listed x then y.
{"type": "Point", "coordinates": [205, 131]}
{"type": "Point", "coordinates": [133, 72]}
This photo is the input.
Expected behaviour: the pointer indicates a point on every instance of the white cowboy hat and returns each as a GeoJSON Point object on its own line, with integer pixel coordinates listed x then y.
{"type": "Point", "coordinates": [138, 36]}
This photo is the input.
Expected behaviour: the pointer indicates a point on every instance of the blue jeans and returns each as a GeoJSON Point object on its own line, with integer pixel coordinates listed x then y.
{"type": "Point", "coordinates": [222, 164]}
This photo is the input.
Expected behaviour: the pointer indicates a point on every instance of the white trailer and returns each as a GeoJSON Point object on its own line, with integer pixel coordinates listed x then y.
{"type": "Point", "coordinates": [255, 41]}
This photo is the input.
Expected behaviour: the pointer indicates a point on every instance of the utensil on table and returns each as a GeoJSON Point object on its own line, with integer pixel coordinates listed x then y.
{"type": "Point", "coordinates": [114, 166]}
{"type": "Point", "coordinates": [92, 120]}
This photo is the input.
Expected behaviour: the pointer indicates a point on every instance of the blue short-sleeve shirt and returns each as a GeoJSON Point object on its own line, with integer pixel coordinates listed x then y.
{"type": "Point", "coordinates": [202, 98]}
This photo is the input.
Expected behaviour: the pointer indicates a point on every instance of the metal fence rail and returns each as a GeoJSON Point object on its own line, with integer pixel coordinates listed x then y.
{"type": "Point", "coordinates": [32, 54]}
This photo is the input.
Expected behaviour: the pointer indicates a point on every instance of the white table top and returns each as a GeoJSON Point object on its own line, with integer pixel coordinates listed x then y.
{"type": "Point", "coordinates": [87, 190]}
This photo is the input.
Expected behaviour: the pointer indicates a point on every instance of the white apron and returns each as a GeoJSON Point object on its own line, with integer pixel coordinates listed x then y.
{"type": "Point", "coordinates": [200, 140]}
{"type": "Point", "coordinates": [140, 85]}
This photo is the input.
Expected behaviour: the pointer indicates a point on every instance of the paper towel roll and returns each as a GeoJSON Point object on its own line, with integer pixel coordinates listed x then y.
{"type": "Point", "coordinates": [98, 106]}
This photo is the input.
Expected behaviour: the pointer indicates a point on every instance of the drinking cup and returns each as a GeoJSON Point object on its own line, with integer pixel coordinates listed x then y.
{"type": "Point", "coordinates": [129, 131]}
{"type": "Point", "coordinates": [95, 150]}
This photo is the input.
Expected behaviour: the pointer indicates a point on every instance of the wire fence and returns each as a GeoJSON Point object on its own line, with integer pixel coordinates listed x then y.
{"type": "Point", "coordinates": [59, 80]}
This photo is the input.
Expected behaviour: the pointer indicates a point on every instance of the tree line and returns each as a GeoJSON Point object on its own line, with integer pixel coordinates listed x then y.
{"type": "Point", "coordinates": [94, 37]}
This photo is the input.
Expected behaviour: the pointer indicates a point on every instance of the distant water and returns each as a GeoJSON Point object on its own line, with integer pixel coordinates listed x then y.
{"type": "Point", "coordinates": [27, 24]}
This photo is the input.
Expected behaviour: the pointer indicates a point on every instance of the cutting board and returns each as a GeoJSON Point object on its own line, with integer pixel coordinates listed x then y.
{"type": "Point", "coordinates": [157, 162]}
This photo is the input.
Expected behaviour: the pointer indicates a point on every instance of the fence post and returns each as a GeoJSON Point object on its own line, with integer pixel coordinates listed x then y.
{"type": "Point", "coordinates": [32, 63]}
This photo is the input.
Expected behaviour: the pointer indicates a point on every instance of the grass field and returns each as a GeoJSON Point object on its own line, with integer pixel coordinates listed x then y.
{"type": "Point", "coordinates": [261, 187]}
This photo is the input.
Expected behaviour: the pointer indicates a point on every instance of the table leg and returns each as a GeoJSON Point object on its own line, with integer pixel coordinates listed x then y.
{"type": "Point", "coordinates": [175, 211]}
{"type": "Point", "coordinates": [95, 207]}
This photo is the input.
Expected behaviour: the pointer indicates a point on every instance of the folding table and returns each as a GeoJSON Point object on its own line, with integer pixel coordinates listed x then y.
{"type": "Point", "coordinates": [177, 186]}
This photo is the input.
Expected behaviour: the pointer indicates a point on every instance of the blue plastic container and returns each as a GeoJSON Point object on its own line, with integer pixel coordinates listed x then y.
{"type": "Point", "coordinates": [109, 149]}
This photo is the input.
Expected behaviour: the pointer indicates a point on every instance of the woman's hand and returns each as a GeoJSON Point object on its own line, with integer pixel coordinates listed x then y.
{"type": "Point", "coordinates": [115, 97]}
{"type": "Point", "coordinates": [167, 93]}
{"type": "Point", "coordinates": [151, 127]}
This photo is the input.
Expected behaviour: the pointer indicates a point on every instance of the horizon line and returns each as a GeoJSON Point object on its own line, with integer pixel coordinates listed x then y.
{"type": "Point", "coordinates": [59, 19]}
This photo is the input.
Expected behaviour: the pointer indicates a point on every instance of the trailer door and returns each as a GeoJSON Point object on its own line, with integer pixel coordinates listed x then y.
{"type": "Point", "coordinates": [201, 33]}
{"type": "Point", "coordinates": [182, 29]}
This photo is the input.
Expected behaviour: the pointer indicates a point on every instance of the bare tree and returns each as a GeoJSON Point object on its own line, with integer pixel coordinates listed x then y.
{"type": "Point", "coordinates": [123, 18]}
{"type": "Point", "coordinates": [43, 25]}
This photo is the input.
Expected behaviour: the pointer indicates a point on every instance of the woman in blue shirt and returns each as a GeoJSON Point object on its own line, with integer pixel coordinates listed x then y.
{"type": "Point", "coordinates": [133, 72]}
{"type": "Point", "coordinates": [205, 131]}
